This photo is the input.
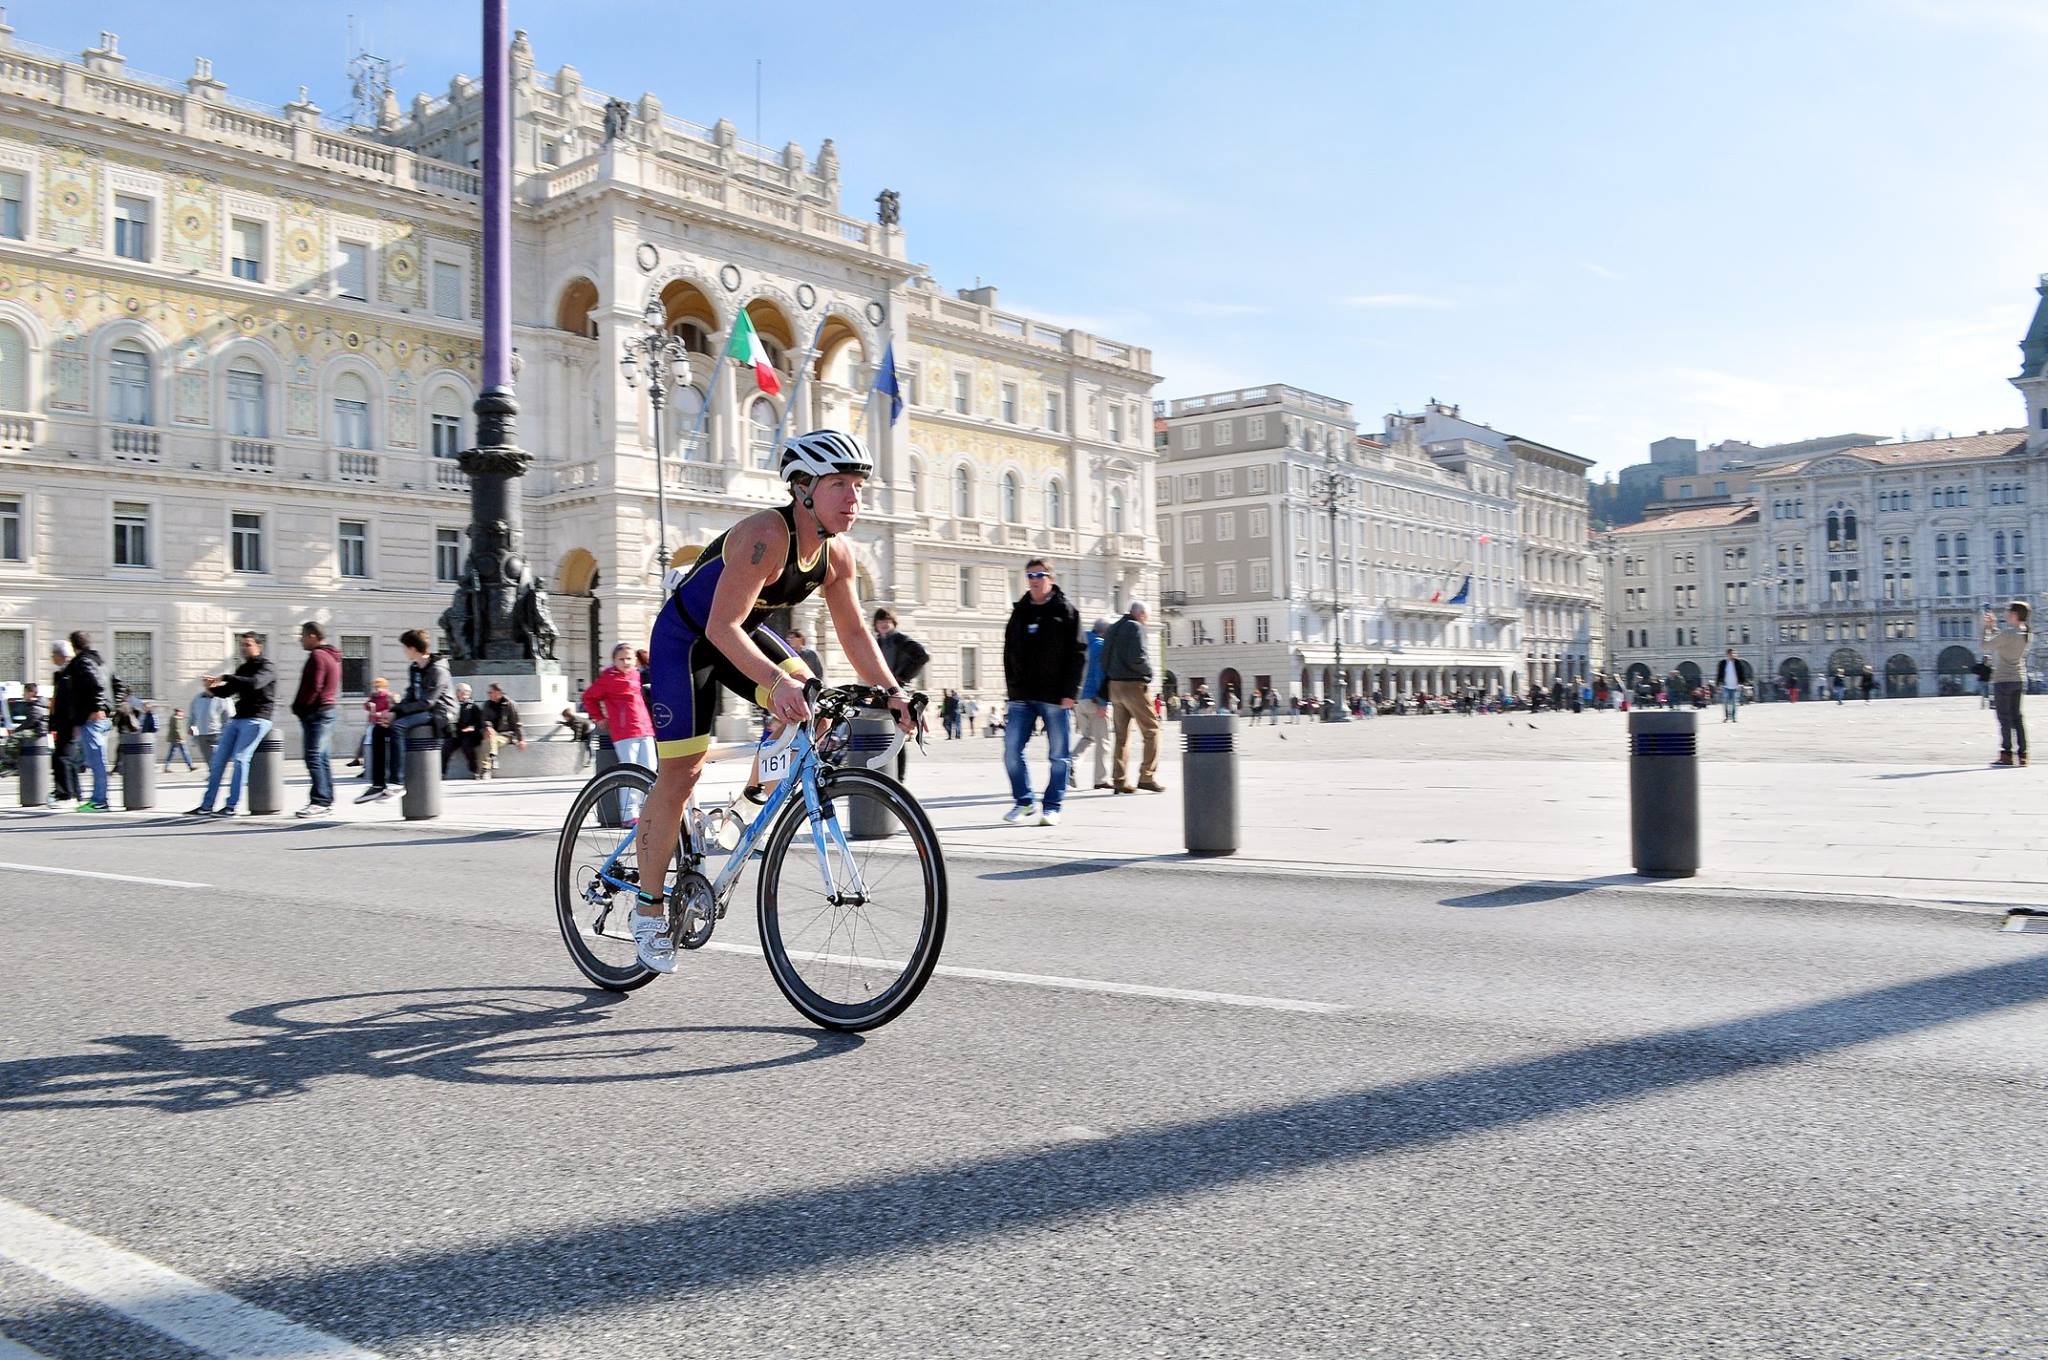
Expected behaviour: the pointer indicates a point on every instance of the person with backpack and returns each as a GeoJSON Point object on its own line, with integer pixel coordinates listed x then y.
{"type": "Point", "coordinates": [90, 698]}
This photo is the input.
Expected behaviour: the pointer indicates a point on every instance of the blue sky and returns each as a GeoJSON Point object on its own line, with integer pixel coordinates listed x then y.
{"type": "Point", "coordinates": [1594, 224]}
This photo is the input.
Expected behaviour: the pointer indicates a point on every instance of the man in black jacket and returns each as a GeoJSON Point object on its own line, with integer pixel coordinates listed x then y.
{"type": "Point", "coordinates": [89, 703]}
{"type": "Point", "coordinates": [466, 735]}
{"type": "Point", "coordinates": [1043, 657]}
{"type": "Point", "coordinates": [429, 700]}
{"type": "Point", "coordinates": [63, 768]}
{"type": "Point", "coordinates": [501, 725]}
{"type": "Point", "coordinates": [253, 688]}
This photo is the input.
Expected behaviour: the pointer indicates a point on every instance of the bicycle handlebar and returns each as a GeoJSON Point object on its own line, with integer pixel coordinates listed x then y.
{"type": "Point", "coordinates": [840, 703]}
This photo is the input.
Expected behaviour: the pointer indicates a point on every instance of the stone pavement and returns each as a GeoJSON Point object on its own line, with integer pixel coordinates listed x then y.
{"type": "Point", "coordinates": [1890, 800]}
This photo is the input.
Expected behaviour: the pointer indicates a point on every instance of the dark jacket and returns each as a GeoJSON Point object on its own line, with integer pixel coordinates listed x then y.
{"type": "Point", "coordinates": [89, 687]}
{"type": "Point", "coordinates": [61, 718]}
{"type": "Point", "coordinates": [469, 723]}
{"type": "Point", "coordinates": [254, 687]}
{"type": "Point", "coordinates": [503, 716]}
{"type": "Point", "coordinates": [906, 656]}
{"type": "Point", "coordinates": [429, 689]}
{"type": "Point", "coordinates": [1123, 655]}
{"type": "Point", "coordinates": [1094, 684]}
{"type": "Point", "coordinates": [35, 719]}
{"type": "Point", "coordinates": [1042, 651]}
{"type": "Point", "coordinates": [319, 681]}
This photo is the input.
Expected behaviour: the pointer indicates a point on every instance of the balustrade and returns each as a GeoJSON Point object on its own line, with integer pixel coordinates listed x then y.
{"type": "Point", "coordinates": [252, 455]}
{"type": "Point", "coordinates": [135, 443]}
{"type": "Point", "coordinates": [355, 465]}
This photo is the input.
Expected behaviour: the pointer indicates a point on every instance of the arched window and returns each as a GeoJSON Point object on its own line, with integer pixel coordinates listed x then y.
{"type": "Point", "coordinates": [1055, 504]}
{"type": "Point", "coordinates": [576, 310]}
{"type": "Point", "coordinates": [1998, 546]}
{"type": "Point", "coordinates": [1834, 530]}
{"type": "Point", "coordinates": [1886, 548]}
{"type": "Point", "coordinates": [1905, 550]}
{"type": "Point", "coordinates": [1941, 547]}
{"type": "Point", "coordinates": [248, 401]}
{"type": "Point", "coordinates": [1849, 528]}
{"type": "Point", "coordinates": [351, 412]}
{"type": "Point", "coordinates": [694, 335]}
{"type": "Point", "coordinates": [685, 407]}
{"type": "Point", "coordinates": [1962, 547]}
{"type": "Point", "coordinates": [761, 431]}
{"type": "Point", "coordinates": [13, 368]}
{"type": "Point", "coordinates": [128, 379]}
{"type": "Point", "coordinates": [2019, 544]}
{"type": "Point", "coordinates": [1013, 499]}
{"type": "Point", "coordinates": [444, 423]}
{"type": "Point", "coordinates": [1116, 510]}
{"type": "Point", "coordinates": [963, 492]}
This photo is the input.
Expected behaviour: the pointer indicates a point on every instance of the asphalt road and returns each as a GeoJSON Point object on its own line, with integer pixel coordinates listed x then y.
{"type": "Point", "coordinates": [354, 1080]}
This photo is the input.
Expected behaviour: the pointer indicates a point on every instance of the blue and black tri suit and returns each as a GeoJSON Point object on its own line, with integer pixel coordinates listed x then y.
{"type": "Point", "coordinates": [685, 668]}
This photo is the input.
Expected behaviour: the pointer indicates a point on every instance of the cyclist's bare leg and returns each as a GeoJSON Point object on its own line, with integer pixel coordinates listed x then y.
{"type": "Point", "coordinates": [661, 820]}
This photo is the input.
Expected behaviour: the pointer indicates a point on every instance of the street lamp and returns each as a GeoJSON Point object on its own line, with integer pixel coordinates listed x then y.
{"type": "Point", "coordinates": [664, 355]}
{"type": "Point", "coordinates": [1332, 491]}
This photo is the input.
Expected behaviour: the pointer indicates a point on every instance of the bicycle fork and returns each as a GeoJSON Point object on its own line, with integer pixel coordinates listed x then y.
{"type": "Point", "coordinates": [828, 840]}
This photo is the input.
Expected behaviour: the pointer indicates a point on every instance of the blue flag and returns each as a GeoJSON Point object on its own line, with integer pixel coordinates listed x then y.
{"type": "Point", "coordinates": [1464, 591]}
{"type": "Point", "coordinates": [886, 384]}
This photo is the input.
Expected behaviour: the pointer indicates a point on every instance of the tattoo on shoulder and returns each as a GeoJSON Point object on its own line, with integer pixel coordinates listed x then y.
{"type": "Point", "coordinates": [760, 551]}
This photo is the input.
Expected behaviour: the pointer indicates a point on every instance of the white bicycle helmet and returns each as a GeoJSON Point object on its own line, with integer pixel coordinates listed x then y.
{"type": "Point", "coordinates": [821, 453]}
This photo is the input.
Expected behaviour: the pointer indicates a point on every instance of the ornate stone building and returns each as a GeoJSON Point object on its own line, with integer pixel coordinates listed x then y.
{"type": "Point", "coordinates": [1881, 556]}
{"type": "Point", "coordinates": [1246, 529]}
{"type": "Point", "coordinates": [238, 348]}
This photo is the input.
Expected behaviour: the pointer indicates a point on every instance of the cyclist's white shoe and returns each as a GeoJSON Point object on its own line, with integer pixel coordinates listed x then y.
{"type": "Point", "coordinates": [1051, 818]}
{"type": "Point", "coordinates": [1024, 814]}
{"type": "Point", "coordinates": [650, 938]}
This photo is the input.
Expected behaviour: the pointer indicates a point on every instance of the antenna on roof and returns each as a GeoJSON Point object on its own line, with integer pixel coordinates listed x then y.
{"type": "Point", "coordinates": [369, 79]}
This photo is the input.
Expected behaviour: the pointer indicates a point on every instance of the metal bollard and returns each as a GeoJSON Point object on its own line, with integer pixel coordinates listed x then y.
{"type": "Point", "coordinates": [266, 776]}
{"type": "Point", "coordinates": [609, 809]}
{"type": "Point", "coordinates": [422, 797]}
{"type": "Point", "coordinates": [868, 745]}
{"type": "Point", "coordinates": [138, 770]}
{"type": "Point", "coordinates": [1664, 793]}
{"type": "Point", "coordinates": [1208, 783]}
{"type": "Point", "coordinates": [35, 755]}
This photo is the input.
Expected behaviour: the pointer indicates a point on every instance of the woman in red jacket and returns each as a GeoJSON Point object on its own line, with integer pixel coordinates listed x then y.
{"type": "Point", "coordinates": [614, 702]}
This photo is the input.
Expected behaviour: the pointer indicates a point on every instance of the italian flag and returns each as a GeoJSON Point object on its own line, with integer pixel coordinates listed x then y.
{"type": "Point", "coordinates": [747, 348]}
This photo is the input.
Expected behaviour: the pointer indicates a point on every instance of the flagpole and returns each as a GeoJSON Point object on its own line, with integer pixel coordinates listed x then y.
{"type": "Point", "coordinates": [803, 372]}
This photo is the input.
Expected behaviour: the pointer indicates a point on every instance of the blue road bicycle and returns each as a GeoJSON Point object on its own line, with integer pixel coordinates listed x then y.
{"type": "Point", "coordinates": [851, 892]}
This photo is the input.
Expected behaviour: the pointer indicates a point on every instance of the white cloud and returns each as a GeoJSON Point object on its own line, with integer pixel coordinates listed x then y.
{"type": "Point", "coordinates": [1599, 271]}
{"type": "Point", "coordinates": [1422, 300]}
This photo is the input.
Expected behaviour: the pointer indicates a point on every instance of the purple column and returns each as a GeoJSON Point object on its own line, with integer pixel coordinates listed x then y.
{"type": "Point", "coordinates": [500, 615]}
{"type": "Point", "coordinates": [497, 176]}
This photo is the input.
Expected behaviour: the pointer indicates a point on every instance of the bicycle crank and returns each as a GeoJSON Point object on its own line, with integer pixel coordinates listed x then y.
{"type": "Point", "coordinates": [696, 910]}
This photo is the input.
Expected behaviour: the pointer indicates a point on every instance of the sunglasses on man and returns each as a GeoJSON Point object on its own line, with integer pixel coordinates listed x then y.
{"type": "Point", "coordinates": [1038, 576]}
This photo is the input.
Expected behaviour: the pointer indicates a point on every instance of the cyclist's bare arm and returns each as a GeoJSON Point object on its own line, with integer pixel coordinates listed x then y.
{"type": "Point", "coordinates": [854, 637]}
{"type": "Point", "coordinates": [755, 551]}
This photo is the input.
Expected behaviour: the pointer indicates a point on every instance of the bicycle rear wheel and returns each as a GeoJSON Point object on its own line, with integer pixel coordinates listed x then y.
{"type": "Point", "coordinates": [591, 912]}
{"type": "Point", "coordinates": [856, 954]}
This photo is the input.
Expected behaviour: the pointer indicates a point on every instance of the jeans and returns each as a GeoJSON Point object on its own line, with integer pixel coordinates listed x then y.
{"type": "Point", "coordinates": [2012, 728]}
{"type": "Point", "coordinates": [235, 745]}
{"type": "Point", "coordinates": [634, 751]}
{"type": "Point", "coordinates": [177, 749]}
{"type": "Point", "coordinates": [1731, 700]}
{"type": "Point", "coordinates": [318, 732]}
{"type": "Point", "coordinates": [1022, 717]}
{"type": "Point", "coordinates": [92, 748]}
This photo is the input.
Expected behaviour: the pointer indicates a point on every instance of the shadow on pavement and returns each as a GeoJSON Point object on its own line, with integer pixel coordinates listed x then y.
{"type": "Point", "coordinates": [533, 1277]}
{"type": "Point", "coordinates": [1529, 894]}
{"type": "Point", "coordinates": [1072, 867]}
{"type": "Point", "coordinates": [1929, 774]}
{"type": "Point", "coordinates": [532, 1036]}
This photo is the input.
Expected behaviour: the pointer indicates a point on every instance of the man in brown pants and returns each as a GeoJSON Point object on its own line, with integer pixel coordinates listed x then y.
{"type": "Point", "coordinates": [1129, 673]}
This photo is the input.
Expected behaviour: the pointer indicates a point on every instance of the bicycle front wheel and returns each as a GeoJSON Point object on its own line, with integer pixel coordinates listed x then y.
{"type": "Point", "coordinates": [592, 912]}
{"type": "Point", "coordinates": [852, 906]}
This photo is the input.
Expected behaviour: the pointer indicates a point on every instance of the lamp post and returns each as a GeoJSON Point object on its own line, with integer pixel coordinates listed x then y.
{"type": "Point", "coordinates": [663, 354]}
{"type": "Point", "coordinates": [1332, 491]}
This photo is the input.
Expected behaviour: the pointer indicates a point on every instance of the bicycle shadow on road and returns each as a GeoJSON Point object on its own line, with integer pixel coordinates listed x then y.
{"type": "Point", "coordinates": [526, 1036]}
{"type": "Point", "coordinates": [538, 1276]}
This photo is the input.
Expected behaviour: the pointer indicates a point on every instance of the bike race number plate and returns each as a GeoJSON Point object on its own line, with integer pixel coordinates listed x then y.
{"type": "Point", "coordinates": [777, 766]}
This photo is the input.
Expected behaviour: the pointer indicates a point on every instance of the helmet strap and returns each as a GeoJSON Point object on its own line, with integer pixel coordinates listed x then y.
{"type": "Point", "coordinates": [803, 496]}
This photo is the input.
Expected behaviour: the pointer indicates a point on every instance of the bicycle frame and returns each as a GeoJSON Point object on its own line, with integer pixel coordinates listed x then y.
{"type": "Point", "coordinates": [827, 836]}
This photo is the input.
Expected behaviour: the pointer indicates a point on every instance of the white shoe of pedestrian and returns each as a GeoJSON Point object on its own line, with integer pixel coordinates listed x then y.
{"type": "Point", "coordinates": [1024, 814]}
{"type": "Point", "coordinates": [1051, 818]}
{"type": "Point", "coordinates": [650, 938]}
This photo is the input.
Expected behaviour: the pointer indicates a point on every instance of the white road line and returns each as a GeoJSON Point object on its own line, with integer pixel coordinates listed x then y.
{"type": "Point", "coordinates": [177, 1305]}
{"type": "Point", "coordinates": [14, 1350]}
{"type": "Point", "coordinates": [113, 878]}
{"type": "Point", "coordinates": [1074, 984]}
